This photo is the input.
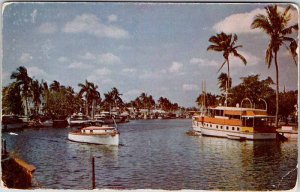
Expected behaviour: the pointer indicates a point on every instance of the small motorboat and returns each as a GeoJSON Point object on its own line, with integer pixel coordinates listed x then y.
{"type": "Point", "coordinates": [102, 135]}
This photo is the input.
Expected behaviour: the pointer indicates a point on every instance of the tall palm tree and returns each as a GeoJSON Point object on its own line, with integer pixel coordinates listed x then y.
{"type": "Point", "coordinates": [225, 43]}
{"type": "Point", "coordinates": [89, 89]}
{"type": "Point", "coordinates": [37, 90]}
{"type": "Point", "coordinates": [24, 81]}
{"type": "Point", "coordinates": [275, 25]}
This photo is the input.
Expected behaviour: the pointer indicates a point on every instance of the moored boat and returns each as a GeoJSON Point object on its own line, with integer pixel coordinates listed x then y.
{"type": "Point", "coordinates": [237, 123]}
{"type": "Point", "coordinates": [79, 119]}
{"type": "Point", "coordinates": [195, 123]}
{"type": "Point", "coordinates": [103, 135]}
{"type": "Point", "coordinates": [11, 122]}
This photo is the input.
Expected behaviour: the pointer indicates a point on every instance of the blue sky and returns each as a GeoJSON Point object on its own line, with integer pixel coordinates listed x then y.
{"type": "Point", "coordinates": [157, 48]}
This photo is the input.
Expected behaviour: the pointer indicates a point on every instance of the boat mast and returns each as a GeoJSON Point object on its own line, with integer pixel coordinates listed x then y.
{"type": "Point", "coordinates": [226, 93]}
{"type": "Point", "coordinates": [203, 100]}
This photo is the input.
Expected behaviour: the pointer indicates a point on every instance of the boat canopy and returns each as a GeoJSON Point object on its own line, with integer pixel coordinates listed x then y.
{"type": "Point", "coordinates": [237, 111]}
{"type": "Point", "coordinates": [98, 128]}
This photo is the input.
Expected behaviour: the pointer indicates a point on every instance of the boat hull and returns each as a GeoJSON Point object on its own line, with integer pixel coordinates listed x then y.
{"type": "Point", "coordinates": [100, 139]}
{"type": "Point", "coordinates": [196, 125]}
{"type": "Point", "coordinates": [240, 135]}
{"type": "Point", "coordinates": [12, 126]}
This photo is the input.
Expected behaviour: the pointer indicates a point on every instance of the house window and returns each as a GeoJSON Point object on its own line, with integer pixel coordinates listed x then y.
{"type": "Point", "coordinates": [221, 127]}
{"type": "Point", "coordinates": [227, 128]}
{"type": "Point", "coordinates": [217, 126]}
{"type": "Point", "coordinates": [233, 128]}
{"type": "Point", "coordinates": [210, 125]}
{"type": "Point", "coordinates": [237, 128]}
{"type": "Point", "coordinates": [91, 131]}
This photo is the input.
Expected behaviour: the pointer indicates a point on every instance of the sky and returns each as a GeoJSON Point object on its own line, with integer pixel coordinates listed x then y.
{"type": "Point", "coordinates": [156, 48]}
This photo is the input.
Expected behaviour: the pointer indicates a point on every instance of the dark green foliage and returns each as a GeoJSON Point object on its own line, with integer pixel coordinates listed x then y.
{"type": "Point", "coordinates": [12, 100]}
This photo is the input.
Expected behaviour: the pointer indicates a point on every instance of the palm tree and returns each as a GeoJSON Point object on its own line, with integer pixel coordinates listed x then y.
{"type": "Point", "coordinates": [226, 44]}
{"type": "Point", "coordinates": [275, 25]}
{"type": "Point", "coordinates": [55, 86]}
{"type": "Point", "coordinates": [89, 89]}
{"type": "Point", "coordinates": [37, 90]}
{"type": "Point", "coordinates": [112, 98]}
{"type": "Point", "coordinates": [24, 81]}
{"type": "Point", "coordinates": [223, 81]}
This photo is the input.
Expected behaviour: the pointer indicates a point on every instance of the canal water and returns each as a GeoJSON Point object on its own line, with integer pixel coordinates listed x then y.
{"type": "Point", "coordinates": [156, 154]}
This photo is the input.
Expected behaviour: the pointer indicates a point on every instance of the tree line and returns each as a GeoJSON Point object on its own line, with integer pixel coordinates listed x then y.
{"type": "Point", "coordinates": [260, 93]}
{"type": "Point", "coordinates": [29, 96]}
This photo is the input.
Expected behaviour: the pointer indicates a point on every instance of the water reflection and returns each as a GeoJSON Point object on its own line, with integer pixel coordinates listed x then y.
{"type": "Point", "coordinates": [159, 155]}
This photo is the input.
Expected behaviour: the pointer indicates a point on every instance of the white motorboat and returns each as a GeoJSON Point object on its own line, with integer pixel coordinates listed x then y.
{"type": "Point", "coordinates": [237, 123]}
{"type": "Point", "coordinates": [103, 135]}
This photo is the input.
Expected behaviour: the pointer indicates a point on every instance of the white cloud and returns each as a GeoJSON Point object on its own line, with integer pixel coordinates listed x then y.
{"type": "Point", "coordinates": [103, 71]}
{"type": "Point", "coordinates": [112, 18]}
{"type": "Point", "coordinates": [91, 24]}
{"type": "Point", "coordinates": [132, 94]}
{"type": "Point", "coordinates": [150, 75]}
{"type": "Point", "coordinates": [25, 57]}
{"type": "Point", "coordinates": [251, 60]}
{"type": "Point", "coordinates": [129, 70]}
{"type": "Point", "coordinates": [175, 67]}
{"type": "Point", "coordinates": [36, 72]}
{"type": "Point", "coordinates": [63, 59]}
{"type": "Point", "coordinates": [241, 22]}
{"type": "Point", "coordinates": [79, 65]}
{"type": "Point", "coordinates": [88, 56]}
{"type": "Point", "coordinates": [233, 61]}
{"type": "Point", "coordinates": [47, 28]}
{"type": "Point", "coordinates": [203, 62]}
{"type": "Point", "coordinates": [190, 87]}
{"type": "Point", "coordinates": [108, 58]}
{"type": "Point", "coordinates": [33, 16]}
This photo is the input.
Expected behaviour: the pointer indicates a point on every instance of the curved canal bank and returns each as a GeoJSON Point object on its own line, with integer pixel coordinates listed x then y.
{"type": "Point", "coordinates": [157, 154]}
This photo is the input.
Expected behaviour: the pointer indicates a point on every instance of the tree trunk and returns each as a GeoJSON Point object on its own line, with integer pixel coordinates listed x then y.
{"type": "Point", "coordinates": [277, 90]}
{"type": "Point", "coordinates": [228, 82]}
{"type": "Point", "coordinates": [27, 108]}
{"type": "Point", "coordinates": [228, 74]}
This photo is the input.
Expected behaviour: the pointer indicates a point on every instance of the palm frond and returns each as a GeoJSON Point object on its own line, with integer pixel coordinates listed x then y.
{"type": "Point", "coordinates": [215, 48]}
{"type": "Point", "coordinates": [262, 22]}
{"type": "Point", "coordinates": [235, 53]}
{"type": "Point", "coordinates": [289, 30]}
{"type": "Point", "coordinates": [222, 66]}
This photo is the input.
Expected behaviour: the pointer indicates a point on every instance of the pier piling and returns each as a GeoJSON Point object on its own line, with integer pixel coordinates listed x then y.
{"type": "Point", "coordinates": [93, 173]}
